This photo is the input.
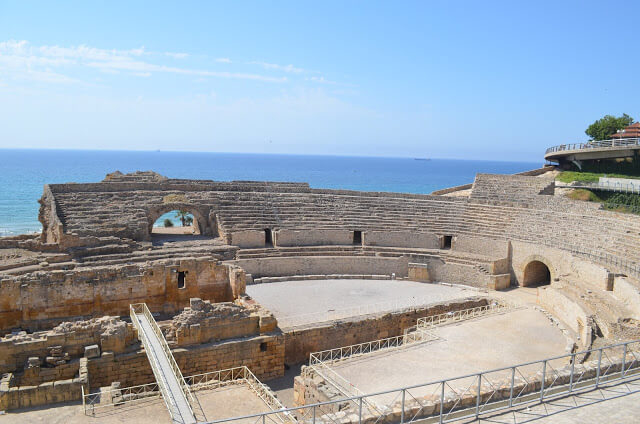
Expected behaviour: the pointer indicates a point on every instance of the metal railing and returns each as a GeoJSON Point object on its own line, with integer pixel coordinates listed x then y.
{"type": "Point", "coordinates": [340, 353]}
{"type": "Point", "coordinates": [432, 321]}
{"type": "Point", "coordinates": [610, 186]}
{"type": "Point", "coordinates": [94, 402]}
{"type": "Point", "coordinates": [628, 266]}
{"type": "Point", "coordinates": [475, 394]}
{"type": "Point", "coordinates": [221, 378]}
{"type": "Point", "coordinates": [422, 333]}
{"type": "Point", "coordinates": [599, 144]}
{"type": "Point", "coordinates": [194, 405]}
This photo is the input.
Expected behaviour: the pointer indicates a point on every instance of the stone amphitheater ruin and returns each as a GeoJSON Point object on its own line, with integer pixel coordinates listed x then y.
{"type": "Point", "coordinates": [373, 292]}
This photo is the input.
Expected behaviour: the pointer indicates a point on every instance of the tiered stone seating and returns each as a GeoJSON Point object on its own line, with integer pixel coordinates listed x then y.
{"type": "Point", "coordinates": [500, 207]}
{"type": "Point", "coordinates": [509, 189]}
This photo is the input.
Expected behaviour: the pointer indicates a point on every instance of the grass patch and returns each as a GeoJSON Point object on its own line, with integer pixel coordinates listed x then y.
{"type": "Point", "coordinates": [584, 195]}
{"type": "Point", "coordinates": [616, 202]}
{"type": "Point", "coordinates": [588, 177]}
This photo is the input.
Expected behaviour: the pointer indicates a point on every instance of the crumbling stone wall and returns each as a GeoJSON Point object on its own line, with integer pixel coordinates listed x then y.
{"type": "Point", "coordinates": [203, 322]}
{"type": "Point", "coordinates": [43, 299]}
{"type": "Point", "coordinates": [57, 346]}
{"type": "Point", "coordinates": [263, 354]}
{"type": "Point", "coordinates": [206, 334]}
{"type": "Point", "coordinates": [20, 394]}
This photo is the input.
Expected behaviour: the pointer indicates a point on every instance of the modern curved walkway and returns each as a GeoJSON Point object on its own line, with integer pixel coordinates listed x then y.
{"type": "Point", "coordinates": [603, 149]}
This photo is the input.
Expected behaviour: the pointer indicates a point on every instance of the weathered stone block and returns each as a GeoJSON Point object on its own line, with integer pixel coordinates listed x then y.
{"type": "Point", "coordinates": [92, 351]}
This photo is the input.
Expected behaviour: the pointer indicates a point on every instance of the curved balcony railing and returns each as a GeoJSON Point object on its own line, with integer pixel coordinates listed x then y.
{"type": "Point", "coordinates": [599, 144]}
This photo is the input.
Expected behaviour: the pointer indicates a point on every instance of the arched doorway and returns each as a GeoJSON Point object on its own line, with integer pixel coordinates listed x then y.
{"type": "Point", "coordinates": [176, 222]}
{"type": "Point", "coordinates": [536, 273]}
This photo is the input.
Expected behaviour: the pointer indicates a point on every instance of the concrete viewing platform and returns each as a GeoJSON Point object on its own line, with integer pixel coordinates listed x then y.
{"type": "Point", "coordinates": [593, 150]}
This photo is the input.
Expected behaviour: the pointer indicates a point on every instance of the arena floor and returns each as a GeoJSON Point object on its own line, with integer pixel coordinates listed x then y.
{"type": "Point", "coordinates": [225, 402]}
{"type": "Point", "coordinates": [470, 346]}
{"type": "Point", "coordinates": [303, 302]}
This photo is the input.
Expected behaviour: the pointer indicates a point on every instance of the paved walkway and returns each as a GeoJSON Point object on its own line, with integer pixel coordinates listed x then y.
{"type": "Point", "coordinates": [615, 404]}
{"type": "Point", "coordinates": [176, 399]}
{"type": "Point", "coordinates": [466, 347]}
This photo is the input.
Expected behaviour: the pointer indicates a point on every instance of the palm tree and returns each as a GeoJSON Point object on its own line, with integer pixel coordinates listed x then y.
{"type": "Point", "coordinates": [185, 217]}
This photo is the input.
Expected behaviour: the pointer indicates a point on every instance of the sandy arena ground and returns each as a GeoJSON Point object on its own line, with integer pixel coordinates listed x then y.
{"type": "Point", "coordinates": [303, 302]}
{"type": "Point", "coordinates": [471, 346]}
{"type": "Point", "coordinates": [225, 402]}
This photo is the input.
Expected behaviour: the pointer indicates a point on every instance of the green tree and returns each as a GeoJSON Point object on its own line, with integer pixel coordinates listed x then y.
{"type": "Point", "coordinates": [603, 128]}
{"type": "Point", "coordinates": [168, 223]}
{"type": "Point", "coordinates": [185, 217]}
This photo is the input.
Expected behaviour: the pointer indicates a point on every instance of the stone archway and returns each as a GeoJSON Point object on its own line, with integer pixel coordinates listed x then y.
{"type": "Point", "coordinates": [536, 273]}
{"type": "Point", "coordinates": [200, 216]}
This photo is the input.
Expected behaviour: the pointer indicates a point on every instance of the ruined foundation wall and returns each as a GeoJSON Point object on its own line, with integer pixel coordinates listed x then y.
{"type": "Point", "coordinates": [15, 394]}
{"type": "Point", "coordinates": [41, 300]}
{"type": "Point", "coordinates": [264, 355]}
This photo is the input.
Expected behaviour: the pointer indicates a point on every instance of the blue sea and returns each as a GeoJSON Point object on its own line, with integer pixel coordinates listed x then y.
{"type": "Point", "coordinates": [24, 172]}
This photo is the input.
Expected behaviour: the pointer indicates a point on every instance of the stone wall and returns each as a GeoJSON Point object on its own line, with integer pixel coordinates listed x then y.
{"type": "Point", "coordinates": [301, 341]}
{"type": "Point", "coordinates": [263, 355]}
{"type": "Point", "coordinates": [42, 300]}
{"type": "Point", "coordinates": [402, 239]}
{"type": "Point", "coordinates": [571, 313]}
{"type": "Point", "coordinates": [247, 239]}
{"type": "Point", "coordinates": [481, 246]}
{"type": "Point", "coordinates": [629, 293]}
{"type": "Point", "coordinates": [286, 238]}
{"type": "Point", "coordinates": [21, 394]}
{"type": "Point", "coordinates": [283, 266]}
{"type": "Point", "coordinates": [22, 350]}
{"type": "Point", "coordinates": [451, 272]}
{"type": "Point", "coordinates": [203, 322]}
{"type": "Point", "coordinates": [562, 265]}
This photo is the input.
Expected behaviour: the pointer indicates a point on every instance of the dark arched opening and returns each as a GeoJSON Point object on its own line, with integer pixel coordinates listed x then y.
{"type": "Point", "coordinates": [536, 273]}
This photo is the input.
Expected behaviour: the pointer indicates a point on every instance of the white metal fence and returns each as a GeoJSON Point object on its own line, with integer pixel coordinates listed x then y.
{"type": "Point", "coordinates": [473, 395]}
{"type": "Point", "coordinates": [94, 403]}
{"type": "Point", "coordinates": [616, 186]}
{"type": "Point", "coordinates": [340, 353]}
{"type": "Point", "coordinates": [463, 315]}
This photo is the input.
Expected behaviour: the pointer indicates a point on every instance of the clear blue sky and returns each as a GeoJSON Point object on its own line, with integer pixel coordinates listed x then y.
{"type": "Point", "coordinates": [442, 79]}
